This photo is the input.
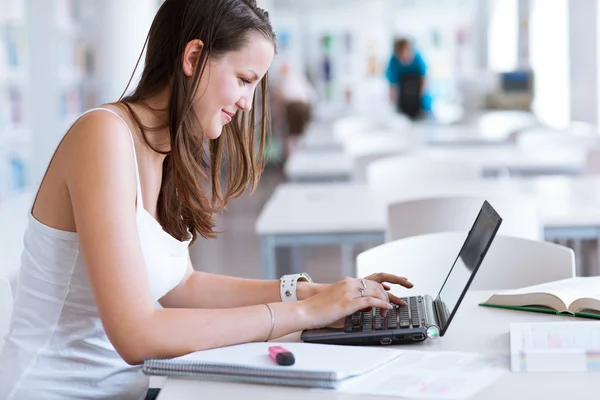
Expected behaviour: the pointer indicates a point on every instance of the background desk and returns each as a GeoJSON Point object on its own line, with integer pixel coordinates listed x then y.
{"type": "Point", "coordinates": [348, 214]}
{"type": "Point", "coordinates": [475, 329]}
{"type": "Point", "coordinates": [319, 166]}
{"type": "Point", "coordinates": [332, 165]}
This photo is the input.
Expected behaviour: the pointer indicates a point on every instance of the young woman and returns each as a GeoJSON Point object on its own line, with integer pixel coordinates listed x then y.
{"type": "Point", "coordinates": [129, 187]}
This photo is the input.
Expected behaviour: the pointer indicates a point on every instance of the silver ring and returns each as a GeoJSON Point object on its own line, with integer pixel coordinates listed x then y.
{"type": "Point", "coordinates": [363, 288]}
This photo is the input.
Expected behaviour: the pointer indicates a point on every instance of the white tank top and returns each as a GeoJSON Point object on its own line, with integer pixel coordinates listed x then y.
{"type": "Point", "coordinates": [56, 347]}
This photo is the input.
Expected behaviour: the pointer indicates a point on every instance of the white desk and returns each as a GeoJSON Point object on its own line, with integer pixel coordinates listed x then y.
{"type": "Point", "coordinates": [457, 135]}
{"type": "Point", "coordinates": [311, 166]}
{"type": "Point", "coordinates": [475, 329]}
{"type": "Point", "coordinates": [348, 213]}
{"type": "Point", "coordinates": [513, 160]}
{"type": "Point", "coordinates": [318, 166]}
{"type": "Point", "coordinates": [319, 140]}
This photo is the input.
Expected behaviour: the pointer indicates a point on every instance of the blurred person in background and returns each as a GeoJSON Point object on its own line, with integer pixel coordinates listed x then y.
{"type": "Point", "coordinates": [406, 73]}
{"type": "Point", "coordinates": [130, 186]}
{"type": "Point", "coordinates": [295, 97]}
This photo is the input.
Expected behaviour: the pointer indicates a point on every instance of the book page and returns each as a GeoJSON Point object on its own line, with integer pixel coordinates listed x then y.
{"type": "Point", "coordinates": [344, 361]}
{"type": "Point", "coordinates": [429, 375]}
{"type": "Point", "coordinates": [533, 344]}
{"type": "Point", "coordinates": [568, 290]}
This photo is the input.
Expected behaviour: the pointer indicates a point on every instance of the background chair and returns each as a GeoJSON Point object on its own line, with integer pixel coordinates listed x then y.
{"type": "Point", "coordinates": [356, 124]}
{"type": "Point", "coordinates": [446, 214]}
{"type": "Point", "coordinates": [543, 139]}
{"type": "Point", "coordinates": [6, 306]}
{"type": "Point", "coordinates": [592, 162]}
{"type": "Point", "coordinates": [14, 218]}
{"type": "Point", "coordinates": [369, 147]}
{"type": "Point", "coordinates": [504, 123]}
{"type": "Point", "coordinates": [510, 263]}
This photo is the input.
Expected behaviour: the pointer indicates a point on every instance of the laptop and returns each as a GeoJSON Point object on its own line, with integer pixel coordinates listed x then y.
{"type": "Point", "coordinates": [424, 317]}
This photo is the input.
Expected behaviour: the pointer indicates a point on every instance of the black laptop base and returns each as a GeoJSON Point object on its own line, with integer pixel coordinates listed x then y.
{"type": "Point", "coordinates": [401, 325]}
{"type": "Point", "coordinates": [387, 337]}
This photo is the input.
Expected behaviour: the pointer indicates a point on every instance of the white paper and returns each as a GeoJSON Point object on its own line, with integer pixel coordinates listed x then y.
{"type": "Point", "coordinates": [429, 375]}
{"type": "Point", "coordinates": [344, 361]}
{"type": "Point", "coordinates": [554, 346]}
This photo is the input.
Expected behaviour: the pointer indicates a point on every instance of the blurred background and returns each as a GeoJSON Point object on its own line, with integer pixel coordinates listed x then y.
{"type": "Point", "coordinates": [534, 60]}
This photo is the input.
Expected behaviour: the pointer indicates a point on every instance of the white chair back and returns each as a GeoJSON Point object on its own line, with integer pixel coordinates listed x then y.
{"type": "Point", "coordinates": [361, 163]}
{"type": "Point", "coordinates": [357, 124]}
{"type": "Point", "coordinates": [592, 163]}
{"type": "Point", "coordinates": [376, 142]}
{"type": "Point", "coordinates": [456, 213]}
{"type": "Point", "coordinates": [506, 122]}
{"type": "Point", "coordinates": [350, 126]}
{"type": "Point", "coordinates": [14, 218]}
{"type": "Point", "coordinates": [425, 260]}
{"type": "Point", "coordinates": [536, 140]}
{"type": "Point", "coordinates": [6, 307]}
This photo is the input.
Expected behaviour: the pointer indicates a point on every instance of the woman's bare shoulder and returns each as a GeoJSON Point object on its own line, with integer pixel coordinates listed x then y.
{"type": "Point", "coordinates": [98, 144]}
{"type": "Point", "coordinates": [96, 154]}
{"type": "Point", "coordinates": [98, 130]}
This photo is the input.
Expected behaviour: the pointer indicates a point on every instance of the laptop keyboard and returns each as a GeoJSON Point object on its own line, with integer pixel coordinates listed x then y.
{"type": "Point", "coordinates": [398, 317]}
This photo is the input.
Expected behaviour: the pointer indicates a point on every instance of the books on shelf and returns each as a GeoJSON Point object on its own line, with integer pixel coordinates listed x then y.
{"type": "Point", "coordinates": [11, 109]}
{"type": "Point", "coordinates": [13, 42]}
{"type": "Point", "coordinates": [316, 365]}
{"type": "Point", "coordinates": [578, 297]}
{"type": "Point", "coordinates": [555, 346]}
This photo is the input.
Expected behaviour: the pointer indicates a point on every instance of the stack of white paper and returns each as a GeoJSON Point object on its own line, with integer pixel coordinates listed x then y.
{"type": "Point", "coordinates": [429, 375]}
{"type": "Point", "coordinates": [555, 346]}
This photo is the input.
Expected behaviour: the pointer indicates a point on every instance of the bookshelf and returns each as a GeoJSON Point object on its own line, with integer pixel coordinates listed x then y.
{"type": "Point", "coordinates": [47, 79]}
{"type": "Point", "coordinates": [15, 131]}
{"type": "Point", "coordinates": [62, 34]}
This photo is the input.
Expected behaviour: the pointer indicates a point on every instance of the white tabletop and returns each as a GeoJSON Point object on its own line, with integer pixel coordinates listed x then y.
{"type": "Point", "coordinates": [306, 164]}
{"type": "Point", "coordinates": [457, 135]}
{"type": "Point", "coordinates": [352, 207]}
{"type": "Point", "coordinates": [319, 140]}
{"type": "Point", "coordinates": [509, 156]}
{"type": "Point", "coordinates": [475, 329]}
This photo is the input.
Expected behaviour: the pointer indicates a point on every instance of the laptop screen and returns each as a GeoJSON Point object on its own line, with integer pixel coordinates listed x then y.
{"type": "Point", "coordinates": [466, 264]}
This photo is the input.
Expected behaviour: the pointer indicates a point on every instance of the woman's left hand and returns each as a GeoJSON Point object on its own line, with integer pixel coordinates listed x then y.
{"type": "Point", "coordinates": [385, 280]}
{"type": "Point", "coordinates": [306, 289]}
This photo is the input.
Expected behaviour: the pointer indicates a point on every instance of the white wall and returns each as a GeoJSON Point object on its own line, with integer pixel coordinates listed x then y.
{"type": "Point", "coordinates": [549, 58]}
{"type": "Point", "coordinates": [583, 60]}
{"type": "Point", "coordinates": [503, 35]}
{"type": "Point", "coordinates": [123, 27]}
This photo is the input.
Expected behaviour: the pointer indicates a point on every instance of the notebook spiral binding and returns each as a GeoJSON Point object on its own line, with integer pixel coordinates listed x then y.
{"type": "Point", "coordinates": [236, 373]}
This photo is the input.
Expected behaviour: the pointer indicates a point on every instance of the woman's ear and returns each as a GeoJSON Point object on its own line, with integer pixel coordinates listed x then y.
{"type": "Point", "coordinates": [191, 56]}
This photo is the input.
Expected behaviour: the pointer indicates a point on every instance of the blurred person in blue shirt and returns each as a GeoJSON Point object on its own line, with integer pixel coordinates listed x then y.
{"type": "Point", "coordinates": [406, 73]}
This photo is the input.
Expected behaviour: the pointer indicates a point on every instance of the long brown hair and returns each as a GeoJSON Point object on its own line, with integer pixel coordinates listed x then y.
{"type": "Point", "coordinates": [193, 162]}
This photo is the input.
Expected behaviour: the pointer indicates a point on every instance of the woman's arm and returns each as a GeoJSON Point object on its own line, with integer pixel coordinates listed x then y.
{"type": "Point", "coordinates": [204, 290]}
{"type": "Point", "coordinates": [100, 175]}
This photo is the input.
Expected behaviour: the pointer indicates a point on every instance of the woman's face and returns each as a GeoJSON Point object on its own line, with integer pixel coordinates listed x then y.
{"type": "Point", "coordinates": [229, 82]}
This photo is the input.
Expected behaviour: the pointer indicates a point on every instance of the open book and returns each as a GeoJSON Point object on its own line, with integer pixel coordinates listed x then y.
{"type": "Point", "coordinates": [579, 297]}
{"type": "Point", "coordinates": [316, 365]}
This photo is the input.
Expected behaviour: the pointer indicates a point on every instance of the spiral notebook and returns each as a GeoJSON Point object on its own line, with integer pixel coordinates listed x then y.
{"type": "Point", "coordinates": [317, 365]}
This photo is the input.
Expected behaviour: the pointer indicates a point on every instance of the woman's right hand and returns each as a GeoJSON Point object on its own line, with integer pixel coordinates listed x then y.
{"type": "Point", "coordinates": [331, 306]}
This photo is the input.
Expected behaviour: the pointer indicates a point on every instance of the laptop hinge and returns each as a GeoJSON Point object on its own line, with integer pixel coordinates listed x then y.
{"type": "Point", "coordinates": [431, 316]}
{"type": "Point", "coordinates": [441, 312]}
